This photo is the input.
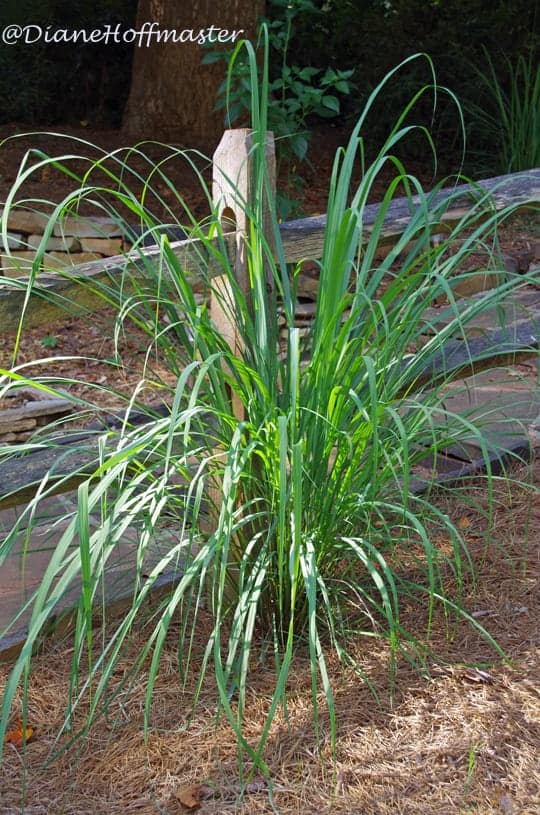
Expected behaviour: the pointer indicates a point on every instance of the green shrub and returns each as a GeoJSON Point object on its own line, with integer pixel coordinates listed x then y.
{"type": "Point", "coordinates": [371, 36]}
{"type": "Point", "coordinates": [296, 93]}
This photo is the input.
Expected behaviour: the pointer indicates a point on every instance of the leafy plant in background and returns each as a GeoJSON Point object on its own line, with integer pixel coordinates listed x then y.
{"type": "Point", "coordinates": [506, 122]}
{"type": "Point", "coordinates": [372, 36]}
{"type": "Point", "coordinates": [295, 92]}
{"type": "Point", "coordinates": [317, 538]}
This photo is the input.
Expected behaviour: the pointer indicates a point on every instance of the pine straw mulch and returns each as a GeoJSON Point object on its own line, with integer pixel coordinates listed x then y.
{"type": "Point", "coordinates": [463, 740]}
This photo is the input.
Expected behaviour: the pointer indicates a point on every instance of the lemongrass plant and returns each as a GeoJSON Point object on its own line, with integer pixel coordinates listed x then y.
{"type": "Point", "coordinates": [318, 537]}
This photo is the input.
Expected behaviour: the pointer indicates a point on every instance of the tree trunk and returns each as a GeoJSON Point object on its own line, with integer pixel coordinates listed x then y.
{"type": "Point", "coordinates": [172, 94]}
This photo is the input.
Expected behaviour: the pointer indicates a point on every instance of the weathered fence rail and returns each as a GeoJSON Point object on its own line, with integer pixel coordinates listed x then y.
{"type": "Point", "coordinates": [51, 295]}
{"type": "Point", "coordinates": [304, 238]}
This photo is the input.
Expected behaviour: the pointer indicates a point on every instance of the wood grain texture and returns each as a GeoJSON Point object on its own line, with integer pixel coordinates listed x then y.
{"type": "Point", "coordinates": [305, 238]}
{"type": "Point", "coordinates": [53, 295]}
{"type": "Point", "coordinates": [64, 467]}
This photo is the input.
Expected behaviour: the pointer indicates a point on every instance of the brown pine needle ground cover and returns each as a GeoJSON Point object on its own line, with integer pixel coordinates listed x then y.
{"type": "Point", "coordinates": [465, 739]}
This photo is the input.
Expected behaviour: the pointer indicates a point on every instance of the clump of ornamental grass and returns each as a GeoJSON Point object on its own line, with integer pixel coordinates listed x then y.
{"type": "Point", "coordinates": [507, 122]}
{"type": "Point", "coordinates": [295, 524]}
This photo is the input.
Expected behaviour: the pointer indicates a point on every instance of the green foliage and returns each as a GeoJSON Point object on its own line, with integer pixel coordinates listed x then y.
{"type": "Point", "coordinates": [315, 538]}
{"type": "Point", "coordinates": [372, 35]}
{"type": "Point", "coordinates": [66, 83]}
{"type": "Point", "coordinates": [505, 124]}
{"type": "Point", "coordinates": [296, 92]}
{"type": "Point", "coordinates": [49, 341]}
{"type": "Point", "coordinates": [294, 98]}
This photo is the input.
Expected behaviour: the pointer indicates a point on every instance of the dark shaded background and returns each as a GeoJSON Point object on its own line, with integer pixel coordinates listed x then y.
{"type": "Point", "coordinates": [54, 84]}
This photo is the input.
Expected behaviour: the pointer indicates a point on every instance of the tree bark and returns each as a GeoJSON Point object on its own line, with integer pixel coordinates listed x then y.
{"type": "Point", "coordinates": [172, 94]}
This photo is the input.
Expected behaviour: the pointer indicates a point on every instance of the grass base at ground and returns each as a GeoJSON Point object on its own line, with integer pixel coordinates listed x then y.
{"type": "Point", "coordinates": [463, 740]}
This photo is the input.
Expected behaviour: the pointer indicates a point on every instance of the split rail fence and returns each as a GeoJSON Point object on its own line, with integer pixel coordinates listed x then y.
{"type": "Point", "coordinates": [52, 295]}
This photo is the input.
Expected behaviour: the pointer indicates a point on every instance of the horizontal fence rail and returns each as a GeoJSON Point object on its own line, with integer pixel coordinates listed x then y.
{"type": "Point", "coordinates": [52, 294]}
{"type": "Point", "coordinates": [78, 291]}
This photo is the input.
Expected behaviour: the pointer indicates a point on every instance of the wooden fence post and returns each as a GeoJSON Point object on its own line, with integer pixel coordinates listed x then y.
{"type": "Point", "coordinates": [233, 192]}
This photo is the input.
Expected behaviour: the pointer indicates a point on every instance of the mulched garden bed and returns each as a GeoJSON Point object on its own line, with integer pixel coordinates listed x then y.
{"type": "Point", "coordinates": [462, 739]}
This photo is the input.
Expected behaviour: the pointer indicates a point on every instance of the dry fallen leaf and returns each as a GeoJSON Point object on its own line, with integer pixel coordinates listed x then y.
{"type": "Point", "coordinates": [464, 522]}
{"type": "Point", "coordinates": [478, 676]}
{"type": "Point", "coordinates": [18, 737]}
{"type": "Point", "coordinates": [257, 785]}
{"type": "Point", "coordinates": [506, 805]}
{"type": "Point", "coordinates": [189, 796]}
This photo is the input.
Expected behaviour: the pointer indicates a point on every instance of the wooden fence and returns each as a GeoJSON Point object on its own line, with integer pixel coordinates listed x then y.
{"type": "Point", "coordinates": [304, 238]}
{"type": "Point", "coordinates": [51, 294]}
